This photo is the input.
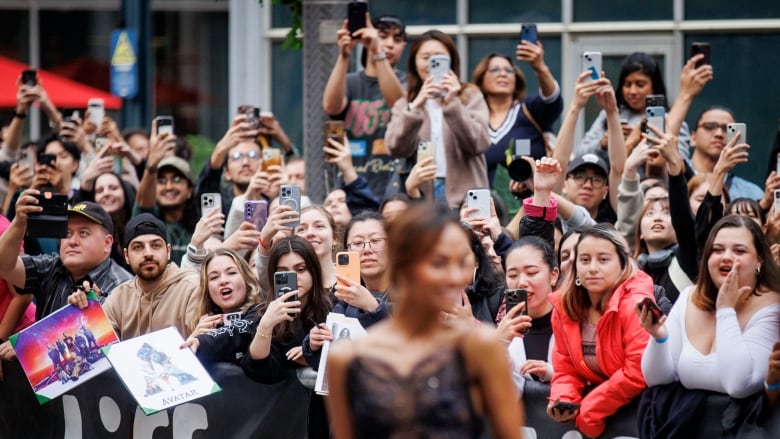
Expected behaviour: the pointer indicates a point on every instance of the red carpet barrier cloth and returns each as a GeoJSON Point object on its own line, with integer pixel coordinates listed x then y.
{"type": "Point", "coordinates": [102, 408]}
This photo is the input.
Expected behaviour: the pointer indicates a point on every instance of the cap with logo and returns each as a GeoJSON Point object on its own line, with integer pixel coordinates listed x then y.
{"type": "Point", "coordinates": [93, 212]}
{"type": "Point", "coordinates": [589, 160]}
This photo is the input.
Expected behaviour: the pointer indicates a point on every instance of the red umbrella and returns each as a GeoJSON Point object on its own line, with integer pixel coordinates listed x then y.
{"type": "Point", "coordinates": [62, 91]}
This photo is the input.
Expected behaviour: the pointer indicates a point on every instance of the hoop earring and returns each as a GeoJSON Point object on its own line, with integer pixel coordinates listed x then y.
{"type": "Point", "coordinates": [577, 281]}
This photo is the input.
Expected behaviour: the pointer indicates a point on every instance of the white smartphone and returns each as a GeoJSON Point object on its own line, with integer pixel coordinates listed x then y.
{"type": "Point", "coordinates": [438, 66]}
{"type": "Point", "coordinates": [655, 117]}
{"type": "Point", "coordinates": [591, 61]}
{"type": "Point", "coordinates": [522, 147]}
{"type": "Point", "coordinates": [425, 149]}
{"type": "Point", "coordinates": [733, 128]}
{"type": "Point", "coordinates": [777, 201]}
{"type": "Point", "coordinates": [479, 198]}
{"type": "Point", "coordinates": [164, 124]}
{"type": "Point", "coordinates": [96, 111]}
{"type": "Point", "coordinates": [210, 201]}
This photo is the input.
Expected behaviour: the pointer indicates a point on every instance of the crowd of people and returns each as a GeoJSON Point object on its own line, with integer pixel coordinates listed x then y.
{"type": "Point", "coordinates": [648, 270]}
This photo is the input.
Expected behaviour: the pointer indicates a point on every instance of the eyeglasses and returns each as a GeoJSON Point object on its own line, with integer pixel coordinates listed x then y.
{"type": "Point", "coordinates": [596, 180]}
{"type": "Point", "coordinates": [496, 70]}
{"type": "Point", "coordinates": [712, 126]}
{"type": "Point", "coordinates": [176, 179]}
{"type": "Point", "coordinates": [376, 244]}
{"type": "Point", "coordinates": [238, 156]}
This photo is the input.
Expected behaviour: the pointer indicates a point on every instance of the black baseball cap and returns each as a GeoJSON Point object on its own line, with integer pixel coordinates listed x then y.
{"type": "Point", "coordinates": [589, 160]}
{"type": "Point", "coordinates": [387, 21]}
{"type": "Point", "coordinates": [93, 212]}
{"type": "Point", "coordinates": [145, 224]}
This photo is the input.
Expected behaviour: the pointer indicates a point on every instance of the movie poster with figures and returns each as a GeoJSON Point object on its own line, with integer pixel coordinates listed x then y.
{"type": "Point", "coordinates": [342, 327]}
{"type": "Point", "coordinates": [158, 373]}
{"type": "Point", "coordinates": [63, 350]}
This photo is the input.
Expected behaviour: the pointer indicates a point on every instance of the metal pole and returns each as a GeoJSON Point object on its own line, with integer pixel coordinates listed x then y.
{"type": "Point", "coordinates": [137, 15]}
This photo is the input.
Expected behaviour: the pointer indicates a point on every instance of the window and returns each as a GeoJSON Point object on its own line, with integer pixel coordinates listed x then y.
{"type": "Point", "coordinates": [514, 11]}
{"type": "Point", "coordinates": [621, 10]}
{"type": "Point", "coordinates": [287, 78]}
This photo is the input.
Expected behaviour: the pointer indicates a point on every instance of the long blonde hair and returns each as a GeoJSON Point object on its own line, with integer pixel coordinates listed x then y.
{"type": "Point", "coordinates": [207, 306]}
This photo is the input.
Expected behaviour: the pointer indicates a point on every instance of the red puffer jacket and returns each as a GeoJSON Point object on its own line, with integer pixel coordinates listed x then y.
{"type": "Point", "coordinates": [620, 342]}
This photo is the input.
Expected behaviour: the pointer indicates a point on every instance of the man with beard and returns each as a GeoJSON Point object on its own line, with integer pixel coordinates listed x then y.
{"type": "Point", "coordinates": [166, 190]}
{"type": "Point", "coordinates": [160, 295]}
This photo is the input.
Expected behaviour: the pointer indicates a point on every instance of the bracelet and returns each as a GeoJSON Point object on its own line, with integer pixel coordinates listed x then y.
{"type": "Point", "coordinates": [263, 244]}
{"type": "Point", "coordinates": [662, 340]}
{"type": "Point", "coordinates": [381, 56]}
{"type": "Point", "coordinates": [772, 387]}
{"type": "Point", "coordinates": [19, 115]}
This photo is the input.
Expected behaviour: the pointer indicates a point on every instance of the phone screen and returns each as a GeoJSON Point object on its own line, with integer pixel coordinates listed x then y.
{"type": "Point", "coordinates": [356, 16]}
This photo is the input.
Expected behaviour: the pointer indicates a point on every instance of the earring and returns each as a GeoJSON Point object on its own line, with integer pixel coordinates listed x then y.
{"type": "Point", "coordinates": [577, 281]}
{"type": "Point", "coordinates": [758, 270]}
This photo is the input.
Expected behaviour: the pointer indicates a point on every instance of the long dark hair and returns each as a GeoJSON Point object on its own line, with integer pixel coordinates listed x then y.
{"type": "Point", "coordinates": [318, 304]}
{"type": "Point", "coordinates": [413, 80]}
{"type": "Point", "coordinates": [705, 292]}
{"type": "Point", "coordinates": [643, 63]}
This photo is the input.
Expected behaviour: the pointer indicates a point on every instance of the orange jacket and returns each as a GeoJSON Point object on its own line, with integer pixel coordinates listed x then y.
{"type": "Point", "coordinates": [620, 343]}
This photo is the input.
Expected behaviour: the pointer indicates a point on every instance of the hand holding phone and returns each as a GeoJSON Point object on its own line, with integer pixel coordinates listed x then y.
{"type": "Point", "coordinates": [655, 312]}
{"type": "Point", "coordinates": [30, 77]}
{"type": "Point", "coordinates": [356, 16]}
{"type": "Point", "coordinates": [777, 201]}
{"type": "Point", "coordinates": [348, 266]}
{"type": "Point", "coordinates": [284, 282]}
{"type": "Point", "coordinates": [701, 48]}
{"type": "Point", "coordinates": [733, 128]}
{"type": "Point", "coordinates": [290, 195]}
{"type": "Point", "coordinates": [591, 61]}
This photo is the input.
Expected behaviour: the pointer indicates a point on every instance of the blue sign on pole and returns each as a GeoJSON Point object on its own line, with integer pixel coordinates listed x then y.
{"type": "Point", "coordinates": [124, 63]}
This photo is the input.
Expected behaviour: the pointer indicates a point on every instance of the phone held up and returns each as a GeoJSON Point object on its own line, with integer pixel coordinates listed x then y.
{"type": "Point", "coordinates": [290, 195]}
{"type": "Point", "coordinates": [704, 49]}
{"type": "Point", "coordinates": [777, 201]}
{"type": "Point", "coordinates": [591, 61]}
{"type": "Point", "coordinates": [479, 198]}
{"type": "Point", "coordinates": [256, 212]}
{"type": "Point", "coordinates": [348, 265]}
{"type": "Point", "coordinates": [528, 33]}
{"type": "Point", "coordinates": [30, 77]}
{"type": "Point", "coordinates": [164, 124]}
{"type": "Point", "coordinates": [733, 128]}
{"type": "Point", "coordinates": [52, 222]}
{"type": "Point", "coordinates": [333, 129]}
{"type": "Point", "coordinates": [515, 297]}
{"type": "Point", "coordinates": [356, 16]}
{"type": "Point", "coordinates": [210, 201]}
{"type": "Point", "coordinates": [284, 282]}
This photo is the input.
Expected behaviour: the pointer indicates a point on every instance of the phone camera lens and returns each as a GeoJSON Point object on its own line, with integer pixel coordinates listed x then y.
{"type": "Point", "coordinates": [343, 259]}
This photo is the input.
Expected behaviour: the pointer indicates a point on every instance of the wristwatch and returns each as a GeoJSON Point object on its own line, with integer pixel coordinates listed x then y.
{"type": "Point", "coordinates": [381, 56]}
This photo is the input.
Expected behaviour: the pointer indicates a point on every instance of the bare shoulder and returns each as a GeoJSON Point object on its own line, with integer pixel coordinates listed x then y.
{"type": "Point", "coordinates": [481, 340]}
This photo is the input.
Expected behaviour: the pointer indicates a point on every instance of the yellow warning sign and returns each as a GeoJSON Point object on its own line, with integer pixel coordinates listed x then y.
{"type": "Point", "coordinates": [123, 53]}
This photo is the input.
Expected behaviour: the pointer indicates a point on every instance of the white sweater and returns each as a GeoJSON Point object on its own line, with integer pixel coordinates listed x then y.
{"type": "Point", "coordinates": [739, 363]}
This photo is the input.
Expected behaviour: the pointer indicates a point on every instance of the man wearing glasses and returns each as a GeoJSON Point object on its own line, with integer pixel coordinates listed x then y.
{"type": "Point", "coordinates": [166, 191]}
{"type": "Point", "coordinates": [586, 184]}
{"type": "Point", "coordinates": [708, 140]}
{"type": "Point", "coordinates": [363, 99]}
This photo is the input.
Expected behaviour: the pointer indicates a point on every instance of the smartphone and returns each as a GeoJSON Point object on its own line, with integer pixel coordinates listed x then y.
{"type": "Point", "coordinates": [209, 201]}
{"type": "Point", "coordinates": [528, 33]}
{"type": "Point", "coordinates": [70, 114]}
{"type": "Point", "coordinates": [348, 265]}
{"type": "Point", "coordinates": [284, 282]}
{"type": "Point", "coordinates": [425, 149]}
{"type": "Point", "coordinates": [522, 147]}
{"type": "Point", "coordinates": [655, 101]}
{"type": "Point", "coordinates": [479, 198]}
{"type": "Point", "coordinates": [356, 16]}
{"type": "Point", "coordinates": [777, 163]}
{"type": "Point", "coordinates": [777, 201]}
{"type": "Point", "coordinates": [733, 128]}
{"type": "Point", "coordinates": [96, 111]}
{"type": "Point", "coordinates": [653, 307]}
{"type": "Point", "coordinates": [256, 212]}
{"type": "Point", "coordinates": [563, 407]}
{"type": "Point", "coordinates": [26, 158]}
{"type": "Point", "coordinates": [252, 115]}
{"type": "Point", "coordinates": [52, 222]}
{"type": "Point", "coordinates": [704, 49]}
{"type": "Point", "coordinates": [438, 66]}
{"type": "Point", "coordinates": [290, 195]}
{"type": "Point", "coordinates": [515, 297]}
{"type": "Point", "coordinates": [164, 124]}
{"type": "Point", "coordinates": [49, 160]}
{"type": "Point", "coordinates": [591, 61]}
{"type": "Point", "coordinates": [272, 157]}
{"type": "Point", "coordinates": [655, 117]}
{"type": "Point", "coordinates": [30, 77]}
{"type": "Point", "coordinates": [101, 142]}
{"type": "Point", "coordinates": [334, 129]}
